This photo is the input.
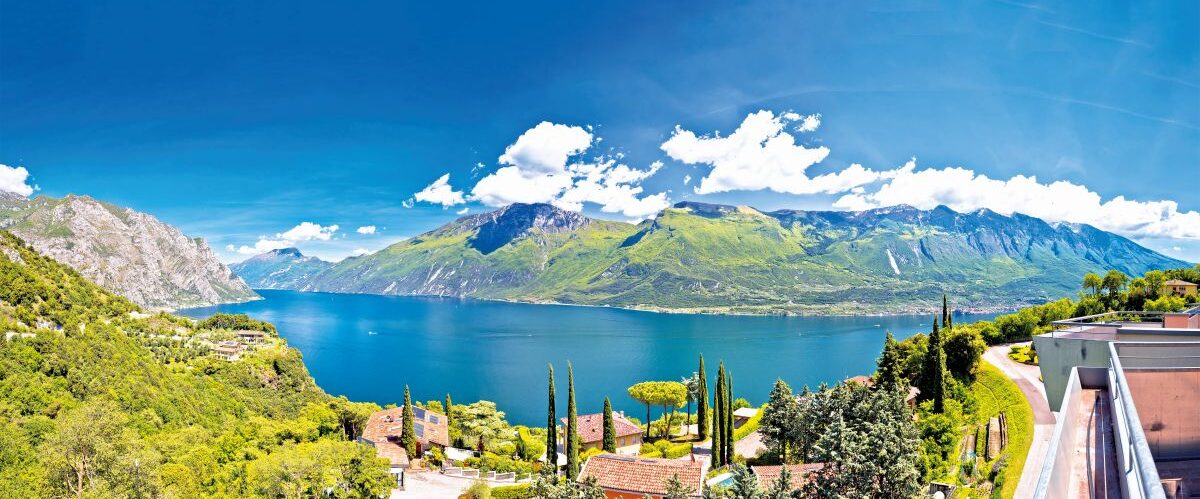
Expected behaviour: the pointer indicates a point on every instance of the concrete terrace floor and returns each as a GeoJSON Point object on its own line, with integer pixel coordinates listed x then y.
{"type": "Point", "coordinates": [1028, 379]}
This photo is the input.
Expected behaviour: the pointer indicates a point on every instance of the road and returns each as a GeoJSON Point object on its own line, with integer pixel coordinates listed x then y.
{"type": "Point", "coordinates": [1028, 379]}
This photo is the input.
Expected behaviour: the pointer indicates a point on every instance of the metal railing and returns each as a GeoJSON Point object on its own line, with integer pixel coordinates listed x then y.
{"type": "Point", "coordinates": [1140, 466]}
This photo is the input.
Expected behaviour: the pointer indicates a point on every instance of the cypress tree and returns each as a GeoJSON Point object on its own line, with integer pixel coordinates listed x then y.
{"type": "Point", "coordinates": [551, 428]}
{"type": "Point", "coordinates": [572, 439]}
{"type": "Point", "coordinates": [934, 370]}
{"type": "Point", "coordinates": [702, 403]}
{"type": "Point", "coordinates": [728, 438]}
{"type": "Point", "coordinates": [716, 422]}
{"type": "Point", "coordinates": [945, 311]}
{"type": "Point", "coordinates": [449, 408]}
{"type": "Point", "coordinates": [408, 434]}
{"type": "Point", "coordinates": [610, 429]}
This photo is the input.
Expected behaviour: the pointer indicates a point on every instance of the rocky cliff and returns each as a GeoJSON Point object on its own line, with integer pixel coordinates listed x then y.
{"type": "Point", "coordinates": [125, 251]}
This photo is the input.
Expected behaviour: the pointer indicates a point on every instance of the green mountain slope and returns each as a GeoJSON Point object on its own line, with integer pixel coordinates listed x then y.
{"type": "Point", "coordinates": [701, 257]}
{"type": "Point", "coordinates": [101, 400]}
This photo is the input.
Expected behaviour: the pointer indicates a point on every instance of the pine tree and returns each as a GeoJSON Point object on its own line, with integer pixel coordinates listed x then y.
{"type": "Point", "coordinates": [408, 434]}
{"type": "Point", "coordinates": [780, 419]}
{"type": "Point", "coordinates": [702, 418]}
{"type": "Point", "coordinates": [551, 428]}
{"type": "Point", "coordinates": [889, 372]}
{"type": "Point", "coordinates": [781, 488]}
{"type": "Point", "coordinates": [745, 484]}
{"type": "Point", "coordinates": [610, 430]}
{"type": "Point", "coordinates": [572, 439]}
{"type": "Point", "coordinates": [675, 489]}
{"type": "Point", "coordinates": [934, 372]}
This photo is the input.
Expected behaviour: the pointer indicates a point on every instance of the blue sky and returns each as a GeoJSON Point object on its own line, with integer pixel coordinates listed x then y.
{"type": "Point", "coordinates": [240, 121]}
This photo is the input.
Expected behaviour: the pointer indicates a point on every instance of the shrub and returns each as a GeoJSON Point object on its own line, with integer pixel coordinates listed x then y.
{"type": "Point", "coordinates": [512, 492]}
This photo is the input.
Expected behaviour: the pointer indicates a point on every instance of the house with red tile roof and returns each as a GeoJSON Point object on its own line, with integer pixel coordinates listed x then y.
{"type": "Point", "coordinates": [383, 432]}
{"type": "Point", "coordinates": [591, 433]}
{"type": "Point", "coordinates": [768, 475]}
{"type": "Point", "coordinates": [632, 477]}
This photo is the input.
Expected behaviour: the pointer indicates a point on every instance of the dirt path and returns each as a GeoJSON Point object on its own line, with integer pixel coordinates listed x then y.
{"type": "Point", "coordinates": [1028, 380]}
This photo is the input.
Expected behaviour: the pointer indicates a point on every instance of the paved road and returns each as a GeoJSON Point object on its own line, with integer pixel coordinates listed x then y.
{"type": "Point", "coordinates": [1028, 380]}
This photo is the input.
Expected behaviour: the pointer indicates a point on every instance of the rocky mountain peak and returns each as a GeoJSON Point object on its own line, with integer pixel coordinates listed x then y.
{"type": "Point", "coordinates": [126, 251]}
{"type": "Point", "coordinates": [517, 220]}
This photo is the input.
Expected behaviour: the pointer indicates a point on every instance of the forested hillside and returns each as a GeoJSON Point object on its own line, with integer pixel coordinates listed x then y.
{"type": "Point", "coordinates": [101, 400]}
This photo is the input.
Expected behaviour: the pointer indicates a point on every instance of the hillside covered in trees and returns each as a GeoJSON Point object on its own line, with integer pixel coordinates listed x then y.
{"type": "Point", "coordinates": [101, 400]}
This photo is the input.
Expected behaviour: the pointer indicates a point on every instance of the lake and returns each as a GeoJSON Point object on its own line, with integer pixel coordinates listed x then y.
{"type": "Point", "coordinates": [368, 347]}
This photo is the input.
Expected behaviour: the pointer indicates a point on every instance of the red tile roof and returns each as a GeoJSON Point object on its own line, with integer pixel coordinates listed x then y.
{"type": "Point", "coordinates": [643, 475]}
{"type": "Point", "coordinates": [768, 475]}
{"type": "Point", "coordinates": [591, 427]}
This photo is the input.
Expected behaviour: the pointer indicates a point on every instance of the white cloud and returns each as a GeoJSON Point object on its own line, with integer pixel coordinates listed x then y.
{"type": "Point", "coordinates": [440, 192]}
{"type": "Point", "coordinates": [15, 179]}
{"type": "Point", "coordinates": [810, 123]}
{"type": "Point", "coordinates": [687, 179]}
{"type": "Point", "coordinates": [463, 211]}
{"type": "Point", "coordinates": [538, 169]}
{"type": "Point", "coordinates": [366, 229]}
{"type": "Point", "coordinates": [545, 148]}
{"type": "Point", "coordinates": [308, 231]}
{"type": "Point", "coordinates": [761, 154]}
{"type": "Point", "coordinates": [360, 251]}
{"type": "Point", "coordinates": [263, 245]}
{"type": "Point", "coordinates": [304, 231]}
{"type": "Point", "coordinates": [1176, 249]}
{"type": "Point", "coordinates": [407, 203]}
{"type": "Point", "coordinates": [964, 190]}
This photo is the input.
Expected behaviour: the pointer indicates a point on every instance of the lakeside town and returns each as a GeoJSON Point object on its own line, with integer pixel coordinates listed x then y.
{"type": "Point", "coordinates": [983, 427]}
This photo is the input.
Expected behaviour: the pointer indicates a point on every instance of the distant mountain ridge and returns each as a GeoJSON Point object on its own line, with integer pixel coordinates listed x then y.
{"type": "Point", "coordinates": [719, 258]}
{"type": "Point", "coordinates": [279, 269]}
{"type": "Point", "coordinates": [125, 251]}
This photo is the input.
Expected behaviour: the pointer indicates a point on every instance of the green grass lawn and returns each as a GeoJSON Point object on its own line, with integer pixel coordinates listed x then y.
{"type": "Point", "coordinates": [994, 393]}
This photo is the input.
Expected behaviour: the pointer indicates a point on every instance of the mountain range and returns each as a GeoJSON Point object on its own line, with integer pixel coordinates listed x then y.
{"type": "Point", "coordinates": [715, 258]}
{"type": "Point", "coordinates": [125, 251]}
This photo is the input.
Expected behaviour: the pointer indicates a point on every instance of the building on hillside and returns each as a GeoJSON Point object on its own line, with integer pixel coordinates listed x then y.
{"type": "Point", "coordinates": [1179, 288]}
{"type": "Point", "coordinates": [910, 399]}
{"type": "Point", "coordinates": [632, 477]}
{"type": "Point", "coordinates": [249, 336]}
{"type": "Point", "coordinates": [1127, 388]}
{"type": "Point", "coordinates": [384, 428]}
{"type": "Point", "coordinates": [591, 433]}
{"type": "Point", "coordinates": [768, 475]}
{"type": "Point", "coordinates": [228, 350]}
{"type": "Point", "coordinates": [743, 415]}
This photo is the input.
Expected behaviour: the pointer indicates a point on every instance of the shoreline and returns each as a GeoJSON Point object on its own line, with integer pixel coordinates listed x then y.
{"type": "Point", "coordinates": [658, 310]}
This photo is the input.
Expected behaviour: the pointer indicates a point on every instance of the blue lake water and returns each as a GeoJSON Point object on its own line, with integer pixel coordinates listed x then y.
{"type": "Point", "coordinates": [368, 347]}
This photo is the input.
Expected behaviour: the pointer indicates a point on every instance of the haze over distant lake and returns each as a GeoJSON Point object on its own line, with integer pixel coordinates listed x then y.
{"type": "Point", "coordinates": [368, 347]}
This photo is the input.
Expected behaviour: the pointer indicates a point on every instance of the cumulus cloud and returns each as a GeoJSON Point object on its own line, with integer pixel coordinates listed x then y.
{"type": "Point", "coordinates": [366, 229]}
{"type": "Point", "coordinates": [263, 245]}
{"type": "Point", "coordinates": [965, 190]}
{"type": "Point", "coordinates": [541, 166]}
{"type": "Point", "coordinates": [308, 231]}
{"type": "Point", "coordinates": [304, 231]}
{"type": "Point", "coordinates": [360, 252]}
{"type": "Point", "coordinates": [762, 154]}
{"type": "Point", "coordinates": [15, 179]}
{"type": "Point", "coordinates": [463, 211]}
{"type": "Point", "coordinates": [440, 192]}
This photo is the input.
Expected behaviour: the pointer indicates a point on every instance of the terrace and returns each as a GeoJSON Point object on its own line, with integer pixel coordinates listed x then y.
{"type": "Point", "coordinates": [1128, 428]}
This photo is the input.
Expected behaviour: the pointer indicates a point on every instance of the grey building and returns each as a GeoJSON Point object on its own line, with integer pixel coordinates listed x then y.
{"type": "Point", "coordinates": [1127, 389]}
